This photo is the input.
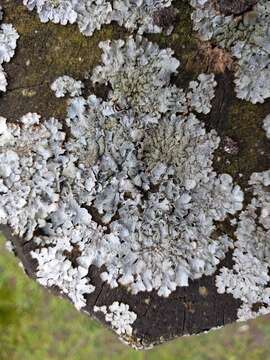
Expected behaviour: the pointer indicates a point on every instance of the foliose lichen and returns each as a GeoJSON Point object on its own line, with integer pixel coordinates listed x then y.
{"type": "Point", "coordinates": [130, 186]}
{"type": "Point", "coordinates": [142, 15]}
{"type": "Point", "coordinates": [137, 70]}
{"type": "Point", "coordinates": [248, 280]}
{"type": "Point", "coordinates": [90, 15]}
{"type": "Point", "coordinates": [139, 75]}
{"type": "Point", "coordinates": [67, 85]}
{"type": "Point", "coordinates": [8, 43]}
{"type": "Point", "coordinates": [266, 125]}
{"type": "Point", "coordinates": [57, 11]}
{"type": "Point", "coordinates": [119, 316]}
{"type": "Point", "coordinates": [246, 37]}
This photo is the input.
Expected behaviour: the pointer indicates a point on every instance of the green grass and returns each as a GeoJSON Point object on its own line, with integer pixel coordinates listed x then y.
{"type": "Point", "coordinates": [34, 325]}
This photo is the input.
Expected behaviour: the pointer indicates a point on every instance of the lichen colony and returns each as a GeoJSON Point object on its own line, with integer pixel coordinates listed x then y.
{"type": "Point", "coordinates": [126, 182]}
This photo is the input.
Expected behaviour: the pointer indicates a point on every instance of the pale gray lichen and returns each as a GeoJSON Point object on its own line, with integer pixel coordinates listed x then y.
{"type": "Point", "coordinates": [179, 146]}
{"type": "Point", "coordinates": [137, 70]}
{"type": "Point", "coordinates": [246, 37]}
{"type": "Point", "coordinates": [3, 80]}
{"type": "Point", "coordinates": [128, 160]}
{"type": "Point", "coordinates": [266, 125]}
{"type": "Point", "coordinates": [132, 188]}
{"type": "Point", "coordinates": [27, 155]}
{"type": "Point", "coordinates": [8, 43]}
{"type": "Point", "coordinates": [67, 85]}
{"type": "Point", "coordinates": [57, 11]}
{"type": "Point", "coordinates": [140, 14]}
{"type": "Point", "coordinates": [201, 92]}
{"type": "Point", "coordinates": [119, 316]}
{"type": "Point", "coordinates": [249, 278]}
{"type": "Point", "coordinates": [55, 270]}
{"type": "Point", "coordinates": [9, 247]}
{"type": "Point", "coordinates": [30, 173]}
{"type": "Point", "coordinates": [90, 15]}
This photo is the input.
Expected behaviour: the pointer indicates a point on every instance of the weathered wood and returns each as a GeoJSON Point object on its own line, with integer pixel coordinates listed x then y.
{"type": "Point", "coordinates": [46, 51]}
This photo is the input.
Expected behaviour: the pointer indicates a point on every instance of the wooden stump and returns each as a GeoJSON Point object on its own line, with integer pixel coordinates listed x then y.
{"type": "Point", "coordinates": [47, 51]}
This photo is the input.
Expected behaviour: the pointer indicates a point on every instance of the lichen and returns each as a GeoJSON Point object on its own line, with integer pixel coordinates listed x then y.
{"type": "Point", "coordinates": [266, 125]}
{"type": "Point", "coordinates": [143, 168]}
{"type": "Point", "coordinates": [32, 161]}
{"type": "Point", "coordinates": [57, 11]}
{"type": "Point", "coordinates": [8, 43]}
{"type": "Point", "coordinates": [90, 15]}
{"type": "Point", "coordinates": [137, 70]}
{"type": "Point", "coordinates": [142, 15]}
{"type": "Point", "coordinates": [246, 37]}
{"type": "Point", "coordinates": [119, 316]}
{"type": "Point", "coordinates": [66, 85]}
{"type": "Point", "coordinates": [248, 280]}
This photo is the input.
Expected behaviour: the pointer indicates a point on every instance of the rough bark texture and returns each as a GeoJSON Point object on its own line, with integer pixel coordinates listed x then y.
{"type": "Point", "coordinates": [46, 51]}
